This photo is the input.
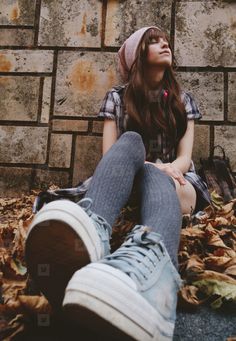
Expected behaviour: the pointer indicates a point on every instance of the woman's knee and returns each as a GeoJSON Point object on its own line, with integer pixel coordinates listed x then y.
{"type": "Point", "coordinates": [133, 136]}
{"type": "Point", "coordinates": [134, 142]}
{"type": "Point", "coordinates": [131, 133]}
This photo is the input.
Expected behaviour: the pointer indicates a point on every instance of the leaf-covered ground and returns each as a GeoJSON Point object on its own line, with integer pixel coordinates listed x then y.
{"type": "Point", "coordinates": [207, 262]}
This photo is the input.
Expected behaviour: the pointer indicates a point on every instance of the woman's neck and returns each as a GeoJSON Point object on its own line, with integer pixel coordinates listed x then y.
{"type": "Point", "coordinates": [154, 76]}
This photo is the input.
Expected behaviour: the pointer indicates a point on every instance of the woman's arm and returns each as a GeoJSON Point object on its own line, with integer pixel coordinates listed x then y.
{"type": "Point", "coordinates": [185, 147]}
{"type": "Point", "coordinates": [181, 164]}
{"type": "Point", "coordinates": [109, 135]}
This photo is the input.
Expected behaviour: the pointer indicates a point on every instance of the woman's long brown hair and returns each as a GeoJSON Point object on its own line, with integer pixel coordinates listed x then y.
{"type": "Point", "coordinates": [168, 114]}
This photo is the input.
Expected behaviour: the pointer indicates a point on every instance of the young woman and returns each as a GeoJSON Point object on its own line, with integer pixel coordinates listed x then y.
{"type": "Point", "coordinates": [147, 141]}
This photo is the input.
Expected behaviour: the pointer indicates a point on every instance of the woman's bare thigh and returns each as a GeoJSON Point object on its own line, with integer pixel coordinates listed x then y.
{"type": "Point", "coordinates": [187, 196]}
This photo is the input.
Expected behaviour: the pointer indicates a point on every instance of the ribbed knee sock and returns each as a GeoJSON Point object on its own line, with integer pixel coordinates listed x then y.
{"type": "Point", "coordinates": [160, 207]}
{"type": "Point", "coordinates": [113, 178]}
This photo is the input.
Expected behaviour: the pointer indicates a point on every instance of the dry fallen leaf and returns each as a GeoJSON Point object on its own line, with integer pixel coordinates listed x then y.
{"type": "Point", "coordinates": [11, 289]}
{"type": "Point", "coordinates": [214, 283]}
{"type": "Point", "coordinates": [195, 264]}
{"type": "Point", "coordinates": [217, 263]}
{"type": "Point", "coordinates": [231, 271]}
{"type": "Point", "coordinates": [14, 328]}
{"type": "Point", "coordinates": [28, 305]}
{"type": "Point", "coordinates": [189, 297]}
{"type": "Point", "coordinates": [194, 232]}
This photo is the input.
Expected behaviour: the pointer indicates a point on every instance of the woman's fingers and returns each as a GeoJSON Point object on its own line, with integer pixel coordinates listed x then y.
{"type": "Point", "coordinates": [170, 170]}
{"type": "Point", "coordinates": [181, 179]}
{"type": "Point", "coordinates": [179, 176]}
{"type": "Point", "coordinates": [173, 171]}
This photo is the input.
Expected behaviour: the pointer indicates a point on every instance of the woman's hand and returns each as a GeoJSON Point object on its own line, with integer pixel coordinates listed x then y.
{"type": "Point", "coordinates": [170, 170]}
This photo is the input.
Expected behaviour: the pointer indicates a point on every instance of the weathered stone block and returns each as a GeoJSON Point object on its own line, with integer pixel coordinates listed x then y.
{"type": "Point", "coordinates": [47, 88]}
{"type": "Point", "coordinates": [205, 33]}
{"type": "Point", "coordinates": [98, 126]}
{"type": "Point", "coordinates": [208, 90]}
{"type": "Point", "coordinates": [23, 144]}
{"type": "Point", "coordinates": [14, 181]}
{"type": "Point", "coordinates": [17, 12]}
{"type": "Point", "coordinates": [16, 37]}
{"type": "Point", "coordinates": [201, 146]}
{"type": "Point", "coordinates": [26, 61]}
{"type": "Point", "coordinates": [88, 152]}
{"type": "Point", "coordinates": [60, 150]}
{"type": "Point", "coordinates": [82, 81]}
{"type": "Point", "coordinates": [70, 125]}
{"type": "Point", "coordinates": [226, 137]}
{"type": "Point", "coordinates": [19, 98]}
{"type": "Point", "coordinates": [71, 23]}
{"type": "Point", "coordinates": [125, 17]}
{"type": "Point", "coordinates": [232, 97]}
{"type": "Point", "coordinates": [45, 178]}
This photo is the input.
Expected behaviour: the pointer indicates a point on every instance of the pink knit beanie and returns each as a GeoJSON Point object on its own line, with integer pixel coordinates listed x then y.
{"type": "Point", "coordinates": [127, 52]}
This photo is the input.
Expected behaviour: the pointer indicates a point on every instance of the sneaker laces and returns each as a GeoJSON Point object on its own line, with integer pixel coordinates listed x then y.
{"type": "Point", "coordinates": [103, 227]}
{"type": "Point", "coordinates": [139, 255]}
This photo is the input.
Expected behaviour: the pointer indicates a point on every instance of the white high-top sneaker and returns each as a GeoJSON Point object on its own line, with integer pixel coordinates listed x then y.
{"type": "Point", "coordinates": [130, 294]}
{"type": "Point", "coordinates": [63, 237]}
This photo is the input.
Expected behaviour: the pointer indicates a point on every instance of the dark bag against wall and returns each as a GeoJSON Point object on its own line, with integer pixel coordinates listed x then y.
{"type": "Point", "coordinates": [217, 173]}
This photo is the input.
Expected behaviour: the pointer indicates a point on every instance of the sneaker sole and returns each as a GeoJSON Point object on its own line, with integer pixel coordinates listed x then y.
{"type": "Point", "coordinates": [104, 299]}
{"type": "Point", "coordinates": [62, 239]}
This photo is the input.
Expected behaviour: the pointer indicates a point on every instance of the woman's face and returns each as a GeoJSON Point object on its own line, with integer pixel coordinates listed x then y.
{"type": "Point", "coordinates": [159, 53]}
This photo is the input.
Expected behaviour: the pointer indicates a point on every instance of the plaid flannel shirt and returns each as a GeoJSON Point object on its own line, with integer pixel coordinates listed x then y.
{"type": "Point", "coordinates": [113, 108]}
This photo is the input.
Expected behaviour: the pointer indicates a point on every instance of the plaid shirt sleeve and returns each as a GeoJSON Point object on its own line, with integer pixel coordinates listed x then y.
{"type": "Point", "coordinates": [191, 107]}
{"type": "Point", "coordinates": [108, 107]}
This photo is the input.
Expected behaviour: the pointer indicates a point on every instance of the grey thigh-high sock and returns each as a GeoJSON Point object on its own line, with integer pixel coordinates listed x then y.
{"type": "Point", "coordinates": [112, 181]}
{"type": "Point", "coordinates": [160, 207]}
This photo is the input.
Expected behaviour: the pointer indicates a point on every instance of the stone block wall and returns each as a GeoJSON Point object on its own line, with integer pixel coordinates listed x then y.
{"type": "Point", "coordinates": [58, 59]}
